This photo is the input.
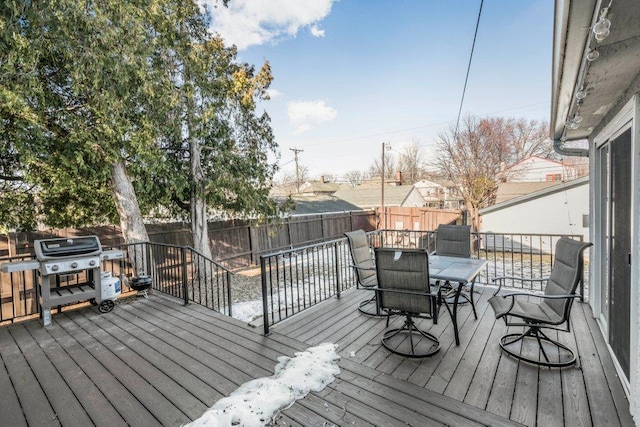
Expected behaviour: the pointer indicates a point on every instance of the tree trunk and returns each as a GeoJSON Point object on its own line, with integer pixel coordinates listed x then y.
{"type": "Point", "coordinates": [475, 218]}
{"type": "Point", "coordinates": [199, 226]}
{"type": "Point", "coordinates": [131, 224]}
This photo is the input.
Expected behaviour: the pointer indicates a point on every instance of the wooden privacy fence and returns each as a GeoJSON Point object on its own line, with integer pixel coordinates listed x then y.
{"type": "Point", "coordinates": [234, 243]}
{"type": "Point", "coordinates": [408, 218]}
{"type": "Point", "coordinates": [239, 243]}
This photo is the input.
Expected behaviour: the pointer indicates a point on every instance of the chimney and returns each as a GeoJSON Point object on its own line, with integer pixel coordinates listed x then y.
{"type": "Point", "coordinates": [399, 178]}
{"type": "Point", "coordinates": [322, 179]}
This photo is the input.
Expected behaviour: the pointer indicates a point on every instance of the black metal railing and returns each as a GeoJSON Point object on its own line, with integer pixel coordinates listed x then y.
{"type": "Point", "coordinates": [179, 271]}
{"type": "Point", "coordinates": [297, 279]}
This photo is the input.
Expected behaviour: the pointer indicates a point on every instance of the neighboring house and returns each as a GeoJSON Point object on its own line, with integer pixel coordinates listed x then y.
{"type": "Point", "coordinates": [368, 198]}
{"type": "Point", "coordinates": [281, 191]}
{"type": "Point", "coordinates": [597, 82]}
{"type": "Point", "coordinates": [375, 182]}
{"type": "Point", "coordinates": [538, 169]}
{"type": "Point", "coordinates": [431, 192]}
{"type": "Point", "coordinates": [451, 197]}
{"type": "Point", "coordinates": [305, 205]}
{"type": "Point", "coordinates": [510, 190]}
{"type": "Point", "coordinates": [316, 188]}
{"type": "Point", "coordinates": [560, 209]}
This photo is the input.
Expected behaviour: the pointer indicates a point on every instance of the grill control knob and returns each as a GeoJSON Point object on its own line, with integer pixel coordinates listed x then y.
{"type": "Point", "coordinates": [92, 262]}
{"type": "Point", "coordinates": [74, 265]}
{"type": "Point", "coordinates": [54, 267]}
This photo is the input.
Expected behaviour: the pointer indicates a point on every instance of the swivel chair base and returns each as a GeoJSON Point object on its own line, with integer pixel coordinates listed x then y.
{"type": "Point", "coordinates": [565, 356]}
{"type": "Point", "coordinates": [421, 343]}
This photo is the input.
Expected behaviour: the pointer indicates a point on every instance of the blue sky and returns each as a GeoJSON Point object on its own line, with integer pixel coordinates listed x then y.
{"type": "Point", "coordinates": [352, 74]}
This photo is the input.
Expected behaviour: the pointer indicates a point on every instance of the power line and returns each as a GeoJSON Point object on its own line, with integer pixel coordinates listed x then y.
{"type": "Point", "coordinates": [338, 141]}
{"type": "Point", "coordinates": [464, 90]}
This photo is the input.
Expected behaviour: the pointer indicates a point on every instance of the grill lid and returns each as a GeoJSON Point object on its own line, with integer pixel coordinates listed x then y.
{"type": "Point", "coordinates": [67, 247]}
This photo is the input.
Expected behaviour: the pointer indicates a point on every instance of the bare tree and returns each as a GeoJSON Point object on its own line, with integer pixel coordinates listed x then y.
{"type": "Point", "coordinates": [482, 150]}
{"type": "Point", "coordinates": [390, 166]}
{"type": "Point", "coordinates": [411, 163]}
{"type": "Point", "coordinates": [355, 177]}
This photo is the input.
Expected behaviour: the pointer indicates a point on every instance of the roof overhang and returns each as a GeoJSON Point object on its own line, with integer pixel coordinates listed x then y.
{"type": "Point", "coordinates": [609, 81]}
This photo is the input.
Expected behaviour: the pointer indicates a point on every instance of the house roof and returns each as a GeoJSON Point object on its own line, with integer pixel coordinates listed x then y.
{"type": "Point", "coordinates": [319, 187]}
{"type": "Point", "coordinates": [609, 81]}
{"type": "Point", "coordinates": [282, 190]}
{"type": "Point", "coordinates": [305, 205]}
{"type": "Point", "coordinates": [511, 190]}
{"type": "Point", "coordinates": [535, 195]}
{"type": "Point", "coordinates": [425, 183]}
{"type": "Point", "coordinates": [534, 159]}
{"type": "Point", "coordinates": [372, 197]}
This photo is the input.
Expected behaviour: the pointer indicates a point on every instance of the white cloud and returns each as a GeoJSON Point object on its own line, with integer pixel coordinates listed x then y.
{"type": "Point", "coordinates": [306, 114]}
{"type": "Point", "coordinates": [253, 22]}
{"type": "Point", "coordinates": [316, 31]}
{"type": "Point", "coordinates": [273, 94]}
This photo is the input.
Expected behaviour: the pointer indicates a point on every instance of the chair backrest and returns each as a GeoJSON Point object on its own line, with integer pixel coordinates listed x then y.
{"type": "Point", "coordinates": [362, 258]}
{"type": "Point", "coordinates": [403, 270]}
{"type": "Point", "coordinates": [454, 240]}
{"type": "Point", "coordinates": [565, 274]}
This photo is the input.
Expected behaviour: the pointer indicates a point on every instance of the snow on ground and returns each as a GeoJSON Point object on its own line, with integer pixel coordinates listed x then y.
{"type": "Point", "coordinates": [256, 402]}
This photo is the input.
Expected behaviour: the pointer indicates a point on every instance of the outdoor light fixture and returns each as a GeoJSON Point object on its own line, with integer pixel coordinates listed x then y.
{"type": "Point", "coordinates": [603, 27]}
{"type": "Point", "coordinates": [601, 30]}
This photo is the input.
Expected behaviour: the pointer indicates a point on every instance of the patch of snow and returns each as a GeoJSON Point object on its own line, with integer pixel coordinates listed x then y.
{"type": "Point", "coordinates": [247, 311]}
{"type": "Point", "coordinates": [256, 402]}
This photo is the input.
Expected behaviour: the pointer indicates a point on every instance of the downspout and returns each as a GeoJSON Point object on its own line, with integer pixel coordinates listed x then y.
{"type": "Point", "coordinates": [575, 152]}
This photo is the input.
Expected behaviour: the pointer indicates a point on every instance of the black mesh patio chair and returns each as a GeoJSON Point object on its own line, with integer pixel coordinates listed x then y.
{"type": "Point", "coordinates": [455, 240]}
{"type": "Point", "coordinates": [364, 268]}
{"type": "Point", "coordinates": [536, 312]}
{"type": "Point", "coordinates": [404, 289]}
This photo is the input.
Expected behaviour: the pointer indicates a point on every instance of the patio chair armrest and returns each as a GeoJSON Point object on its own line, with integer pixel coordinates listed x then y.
{"type": "Point", "coordinates": [515, 294]}
{"type": "Point", "coordinates": [363, 268]}
{"type": "Point", "coordinates": [501, 280]}
{"type": "Point", "coordinates": [524, 279]}
{"type": "Point", "coordinates": [431, 292]}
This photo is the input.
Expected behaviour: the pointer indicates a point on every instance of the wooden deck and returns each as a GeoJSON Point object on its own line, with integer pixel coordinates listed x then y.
{"type": "Point", "coordinates": [155, 362]}
{"type": "Point", "coordinates": [477, 372]}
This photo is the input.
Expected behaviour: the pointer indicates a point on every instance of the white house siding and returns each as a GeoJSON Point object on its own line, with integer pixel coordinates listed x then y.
{"type": "Point", "coordinates": [556, 210]}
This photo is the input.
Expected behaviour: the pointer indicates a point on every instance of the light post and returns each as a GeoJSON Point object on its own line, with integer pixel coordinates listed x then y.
{"type": "Point", "coordinates": [385, 145]}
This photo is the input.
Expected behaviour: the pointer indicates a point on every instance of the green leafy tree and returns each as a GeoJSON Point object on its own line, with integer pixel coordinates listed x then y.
{"type": "Point", "coordinates": [86, 92]}
{"type": "Point", "coordinates": [218, 150]}
{"type": "Point", "coordinates": [111, 109]}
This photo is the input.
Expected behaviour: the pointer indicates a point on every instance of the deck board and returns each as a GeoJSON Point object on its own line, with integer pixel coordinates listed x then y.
{"type": "Point", "coordinates": [477, 372]}
{"type": "Point", "coordinates": [154, 362]}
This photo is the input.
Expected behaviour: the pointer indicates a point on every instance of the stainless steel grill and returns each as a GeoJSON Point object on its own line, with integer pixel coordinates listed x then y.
{"type": "Point", "coordinates": [64, 256]}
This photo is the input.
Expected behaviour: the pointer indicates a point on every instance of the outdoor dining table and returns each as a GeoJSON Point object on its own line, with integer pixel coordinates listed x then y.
{"type": "Point", "coordinates": [455, 270]}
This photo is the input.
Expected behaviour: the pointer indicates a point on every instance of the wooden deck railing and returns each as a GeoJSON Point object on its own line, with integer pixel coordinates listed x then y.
{"type": "Point", "coordinates": [296, 279]}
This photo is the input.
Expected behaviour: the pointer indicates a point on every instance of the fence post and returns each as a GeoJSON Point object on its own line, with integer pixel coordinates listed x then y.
{"type": "Point", "coordinates": [265, 308]}
{"type": "Point", "coordinates": [335, 253]}
{"type": "Point", "coordinates": [229, 293]}
{"type": "Point", "coordinates": [185, 288]}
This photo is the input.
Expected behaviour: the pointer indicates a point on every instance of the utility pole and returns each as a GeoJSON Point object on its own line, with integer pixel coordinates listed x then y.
{"type": "Point", "coordinates": [385, 145]}
{"type": "Point", "coordinates": [295, 156]}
